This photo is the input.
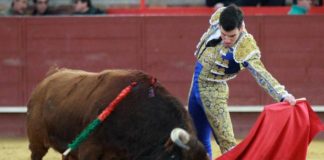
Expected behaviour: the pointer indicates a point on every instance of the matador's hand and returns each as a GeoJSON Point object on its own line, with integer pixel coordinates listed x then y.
{"type": "Point", "coordinates": [290, 99]}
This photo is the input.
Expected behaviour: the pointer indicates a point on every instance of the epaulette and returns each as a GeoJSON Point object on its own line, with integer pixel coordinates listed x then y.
{"type": "Point", "coordinates": [215, 17]}
{"type": "Point", "coordinates": [245, 48]}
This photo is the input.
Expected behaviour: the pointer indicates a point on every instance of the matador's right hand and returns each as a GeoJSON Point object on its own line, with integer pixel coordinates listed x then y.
{"type": "Point", "coordinates": [290, 99]}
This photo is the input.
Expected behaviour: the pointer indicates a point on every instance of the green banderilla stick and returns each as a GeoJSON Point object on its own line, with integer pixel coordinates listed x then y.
{"type": "Point", "coordinates": [95, 123]}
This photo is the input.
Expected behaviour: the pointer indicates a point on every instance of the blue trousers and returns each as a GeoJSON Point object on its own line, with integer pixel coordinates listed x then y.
{"type": "Point", "coordinates": [208, 109]}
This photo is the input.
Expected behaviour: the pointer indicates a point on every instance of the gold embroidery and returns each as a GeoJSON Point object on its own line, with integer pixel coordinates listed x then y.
{"type": "Point", "coordinates": [222, 62]}
{"type": "Point", "coordinates": [211, 30]}
{"type": "Point", "coordinates": [214, 98]}
{"type": "Point", "coordinates": [215, 17]}
{"type": "Point", "coordinates": [266, 80]}
{"type": "Point", "coordinates": [245, 48]}
{"type": "Point", "coordinates": [214, 65]}
{"type": "Point", "coordinates": [218, 70]}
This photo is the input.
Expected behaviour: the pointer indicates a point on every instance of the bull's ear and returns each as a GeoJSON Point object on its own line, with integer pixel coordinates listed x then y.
{"type": "Point", "coordinates": [180, 137]}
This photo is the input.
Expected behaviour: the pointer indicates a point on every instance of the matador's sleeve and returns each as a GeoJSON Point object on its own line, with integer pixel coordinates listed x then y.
{"type": "Point", "coordinates": [214, 19]}
{"type": "Point", "coordinates": [251, 60]}
{"type": "Point", "coordinates": [212, 32]}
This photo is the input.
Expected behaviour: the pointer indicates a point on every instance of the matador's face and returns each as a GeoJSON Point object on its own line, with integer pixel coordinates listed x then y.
{"type": "Point", "coordinates": [230, 37]}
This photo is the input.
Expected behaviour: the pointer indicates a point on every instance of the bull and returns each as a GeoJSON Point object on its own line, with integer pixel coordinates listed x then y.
{"type": "Point", "coordinates": [142, 126]}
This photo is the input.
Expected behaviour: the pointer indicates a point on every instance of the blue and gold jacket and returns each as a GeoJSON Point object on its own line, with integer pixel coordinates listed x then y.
{"type": "Point", "coordinates": [221, 64]}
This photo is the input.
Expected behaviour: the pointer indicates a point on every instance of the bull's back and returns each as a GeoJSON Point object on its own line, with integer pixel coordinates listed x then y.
{"type": "Point", "coordinates": [65, 101]}
{"type": "Point", "coordinates": [65, 85]}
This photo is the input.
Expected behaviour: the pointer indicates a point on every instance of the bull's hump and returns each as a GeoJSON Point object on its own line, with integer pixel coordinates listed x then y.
{"type": "Point", "coordinates": [120, 72]}
{"type": "Point", "coordinates": [108, 71]}
{"type": "Point", "coordinates": [78, 72]}
{"type": "Point", "coordinates": [72, 74]}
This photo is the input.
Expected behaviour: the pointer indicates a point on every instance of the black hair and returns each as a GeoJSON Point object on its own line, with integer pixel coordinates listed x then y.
{"type": "Point", "coordinates": [87, 1]}
{"type": "Point", "coordinates": [231, 18]}
{"type": "Point", "coordinates": [35, 1]}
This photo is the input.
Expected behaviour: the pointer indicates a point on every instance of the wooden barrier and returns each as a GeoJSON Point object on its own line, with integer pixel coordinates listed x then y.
{"type": "Point", "coordinates": [292, 50]}
{"type": "Point", "coordinates": [291, 46]}
{"type": "Point", "coordinates": [264, 10]}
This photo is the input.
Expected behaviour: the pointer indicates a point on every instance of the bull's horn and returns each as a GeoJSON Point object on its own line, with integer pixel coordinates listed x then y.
{"type": "Point", "coordinates": [180, 137]}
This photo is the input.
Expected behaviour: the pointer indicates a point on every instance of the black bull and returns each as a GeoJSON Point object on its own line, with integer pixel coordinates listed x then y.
{"type": "Point", "coordinates": [66, 101]}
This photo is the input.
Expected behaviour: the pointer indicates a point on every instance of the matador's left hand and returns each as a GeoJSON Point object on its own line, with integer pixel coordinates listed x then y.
{"type": "Point", "coordinates": [290, 99]}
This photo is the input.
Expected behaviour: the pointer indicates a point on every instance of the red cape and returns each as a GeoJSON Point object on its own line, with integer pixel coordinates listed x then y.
{"type": "Point", "coordinates": [282, 132]}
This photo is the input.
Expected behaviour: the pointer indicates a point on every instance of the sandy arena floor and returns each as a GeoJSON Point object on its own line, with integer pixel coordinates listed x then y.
{"type": "Point", "coordinates": [17, 149]}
